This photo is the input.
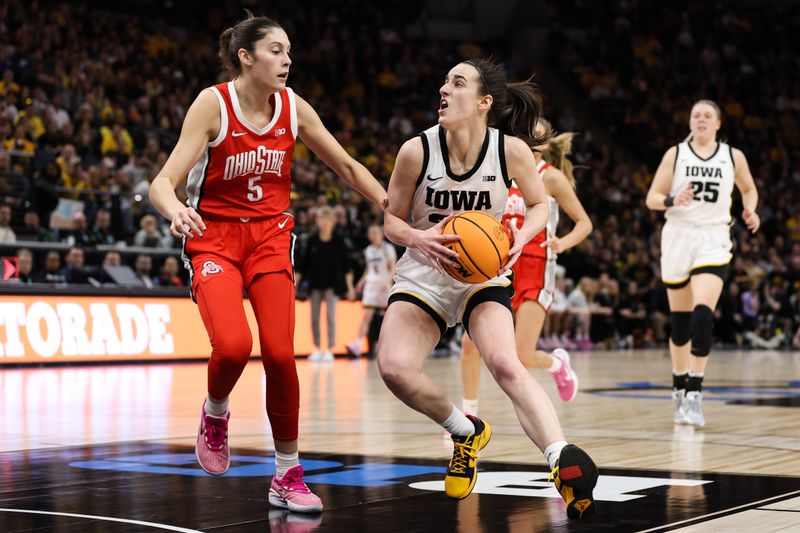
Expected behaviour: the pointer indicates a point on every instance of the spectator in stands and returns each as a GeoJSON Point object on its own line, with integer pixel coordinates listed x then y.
{"type": "Point", "coordinates": [149, 236]}
{"type": "Point", "coordinates": [112, 259]}
{"type": "Point", "coordinates": [52, 270]}
{"type": "Point", "coordinates": [20, 141]}
{"type": "Point", "coordinates": [632, 312]}
{"type": "Point", "coordinates": [751, 306]}
{"type": "Point", "coordinates": [101, 231]}
{"type": "Point", "coordinates": [138, 168]}
{"type": "Point", "coordinates": [169, 274]}
{"type": "Point", "coordinates": [33, 231]}
{"type": "Point", "coordinates": [24, 267]}
{"type": "Point", "coordinates": [326, 268]}
{"type": "Point", "coordinates": [604, 320]}
{"type": "Point", "coordinates": [6, 233]}
{"type": "Point", "coordinates": [115, 142]}
{"type": "Point", "coordinates": [74, 271]}
{"type": "Point", "coordinates": [578, 305]}
{"type": "Point", "coordinates": [79, 234]}
{"type": "Point", "coordinates": [43, 194]}
{"type": "Point", "coordinates": [144, 270]}
{"type": "Point", "coordinates": [729, 321]}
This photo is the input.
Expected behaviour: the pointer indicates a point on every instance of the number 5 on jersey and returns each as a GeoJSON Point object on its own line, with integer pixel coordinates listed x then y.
{"type": "Point", "coordinates": [256, 192]}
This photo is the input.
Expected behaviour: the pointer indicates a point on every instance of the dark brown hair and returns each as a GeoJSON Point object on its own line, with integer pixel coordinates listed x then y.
{"type": "Point", "coordinates": [244, 34]}
{"type": "Point", "coordinates": [516, 106]}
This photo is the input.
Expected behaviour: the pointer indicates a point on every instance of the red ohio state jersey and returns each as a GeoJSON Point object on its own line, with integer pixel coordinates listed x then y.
{"type": "Point", "coordinates": [246, 171]}
{"type": "Point", "coordinates": [515, 214]}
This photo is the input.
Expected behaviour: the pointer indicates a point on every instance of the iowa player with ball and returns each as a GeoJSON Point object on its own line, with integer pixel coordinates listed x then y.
{"type": "Point", "coordinates": [236, 147]}
{"type": "Point", "coordinates": [467, 162]}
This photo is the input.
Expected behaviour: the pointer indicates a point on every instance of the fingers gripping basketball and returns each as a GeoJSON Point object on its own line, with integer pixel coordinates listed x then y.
{"type": "Point", "coordinates": [482, 250]}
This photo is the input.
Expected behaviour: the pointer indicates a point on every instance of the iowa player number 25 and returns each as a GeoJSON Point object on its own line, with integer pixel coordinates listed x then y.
{"type": "Point", "coordinates": [707, 191]}
{"type": "Point", "coordinates": [256, 192]}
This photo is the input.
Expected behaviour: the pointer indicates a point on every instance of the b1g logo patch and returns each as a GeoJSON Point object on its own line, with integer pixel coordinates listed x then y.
{"type": "Point", "coordinates": [210, 267]}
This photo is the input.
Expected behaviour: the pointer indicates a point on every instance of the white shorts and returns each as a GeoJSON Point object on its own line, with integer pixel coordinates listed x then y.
{"type": "Point", "coordinates": [688, 250]}
{"type": "Point", "coordinates": [376, 294]}
{"type": "Point", "coordinates": [445, 298]}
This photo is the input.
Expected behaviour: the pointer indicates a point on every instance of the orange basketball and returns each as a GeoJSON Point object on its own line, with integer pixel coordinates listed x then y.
{"type": "Point", "coordinates": [483, 248]}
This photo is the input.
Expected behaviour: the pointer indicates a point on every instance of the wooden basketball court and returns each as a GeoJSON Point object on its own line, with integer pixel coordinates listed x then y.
{"type": "Point", "coordinates": [110, 448]}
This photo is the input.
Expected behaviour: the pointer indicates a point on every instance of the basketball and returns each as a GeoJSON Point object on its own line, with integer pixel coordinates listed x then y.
{"type": "Point", "coordinates": [483, 248]}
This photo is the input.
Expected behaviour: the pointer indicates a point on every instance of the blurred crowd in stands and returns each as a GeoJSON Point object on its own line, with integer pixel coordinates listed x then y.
{"type": "Point", "coordinates": [91, 102]}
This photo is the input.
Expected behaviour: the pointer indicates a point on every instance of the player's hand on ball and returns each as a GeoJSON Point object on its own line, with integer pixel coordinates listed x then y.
{"type": "Point", "coordinates": [432, 244]}
{"type": "Point", "coordinates": [751, 219]}
{"type": "Point", "coordinates": [185, 222]}
{"type": "Point", "coordinates": [686, 196]}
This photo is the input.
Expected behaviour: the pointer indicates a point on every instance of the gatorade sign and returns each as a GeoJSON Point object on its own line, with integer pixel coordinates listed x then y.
{"type": "Point", "coordinates": [85, 329]}
{"type": "Point", "coordinates": [66, 329]}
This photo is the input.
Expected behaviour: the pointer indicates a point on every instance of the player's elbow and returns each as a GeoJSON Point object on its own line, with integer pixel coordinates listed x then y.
{"type": "Point", "coordinates": [651, 201]}
{"type": "Point", "coordinates": [347, 170]}
{"type": "Point", "coordinates": [586, 227]}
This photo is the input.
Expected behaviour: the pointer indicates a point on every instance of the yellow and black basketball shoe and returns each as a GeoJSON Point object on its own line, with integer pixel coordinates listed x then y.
{"type": "Point", "coordinates": [575, 476]}
{"type": "Point", "coordinates": [462, 470]}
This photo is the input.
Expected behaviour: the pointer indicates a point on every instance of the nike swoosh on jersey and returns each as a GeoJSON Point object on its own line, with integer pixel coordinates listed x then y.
{"type": "Point", "coordinates": [434, 179]}
{"type": "Point", "coordinates": [282, 224]}
{"type": "Point", "coordinates": [239, 133]}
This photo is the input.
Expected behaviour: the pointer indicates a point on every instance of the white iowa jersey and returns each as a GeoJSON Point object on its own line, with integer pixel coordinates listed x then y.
{"type": "Point", "coordinates": [712, 181]}
{"type": "Point", "coordinates": [440, 191]}
{"type": "Point", "coordinates": [376, 259]}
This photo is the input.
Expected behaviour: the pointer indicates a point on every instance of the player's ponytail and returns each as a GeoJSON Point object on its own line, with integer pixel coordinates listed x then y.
{"type": "Point", "coordinates": [558, 148]}
{"type": "Point", "coordinates": [515, 106]}
{"type": "Point", "coordinates": [244, 34]}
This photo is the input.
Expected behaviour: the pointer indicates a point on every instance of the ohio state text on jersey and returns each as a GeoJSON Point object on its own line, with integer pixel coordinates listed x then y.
{"type": "Point", "coordinates": [246, 171]}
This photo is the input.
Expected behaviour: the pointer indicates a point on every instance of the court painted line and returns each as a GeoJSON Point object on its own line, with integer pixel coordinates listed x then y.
{"type": "Point", "coordinates": [718, 514]}
{"type": "Point", "coordinates": [104, 519]}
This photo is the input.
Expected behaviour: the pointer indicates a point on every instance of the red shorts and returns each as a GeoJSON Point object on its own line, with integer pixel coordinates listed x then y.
{"type": "Point", "coordinates": [534, 279]}
{"type": "Point", "coordinates": [238, 248]}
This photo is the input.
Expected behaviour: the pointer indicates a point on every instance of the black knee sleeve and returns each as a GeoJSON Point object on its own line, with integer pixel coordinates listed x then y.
{"type": "Point", "coordinates": [702, 327]}
{"type": "Point", "coordinates": [681, 327]}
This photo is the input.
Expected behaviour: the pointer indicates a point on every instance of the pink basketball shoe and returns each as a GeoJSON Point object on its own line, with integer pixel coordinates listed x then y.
{"type": "Point", "coordinates": [289, 492]}
{"type": "Point", "coordinates": [566, 379]}
{"type": "Point", "coordinates": [211, 449]}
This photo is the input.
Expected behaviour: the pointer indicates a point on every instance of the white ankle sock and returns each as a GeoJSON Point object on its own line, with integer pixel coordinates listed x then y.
{"type": "Point", "coordinates": [458, 423]}
{"type": "Point", "coordinates": [470, 406]}
{"type": "Point", "coordinates": [552, 452]}
{"type": "Point", "coordinates": [216, 407]}
{"type": "Point", "coordinates": [285, 461]}
{"type": "Point", "coordinates": [556, 365]}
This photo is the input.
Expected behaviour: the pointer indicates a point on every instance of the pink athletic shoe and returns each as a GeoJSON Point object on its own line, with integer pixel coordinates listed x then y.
{"type": "Point", "coordinates": [289, 492]}
{"type": "Point", "coordinates": [566, 379]}
{"type": "Point", "coordinates": [211, 449]}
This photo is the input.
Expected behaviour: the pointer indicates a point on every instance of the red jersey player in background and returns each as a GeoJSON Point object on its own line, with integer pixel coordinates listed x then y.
{"type": "Point", "coordinates": [236, 147]}
{"type": "Point", "coordinates": [534, 271]}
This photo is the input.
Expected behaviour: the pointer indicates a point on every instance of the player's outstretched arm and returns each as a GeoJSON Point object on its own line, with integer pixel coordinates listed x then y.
{"type": "Point", "coordinates": [316, 136]}
{"type": "Point", "coordinates": [202, 123]}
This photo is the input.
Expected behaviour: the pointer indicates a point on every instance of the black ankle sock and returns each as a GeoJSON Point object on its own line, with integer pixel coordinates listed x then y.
{"type": "Point", "coordinates": [694, 384]}
{"type": "Point", "coordinates": [679, 381]}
